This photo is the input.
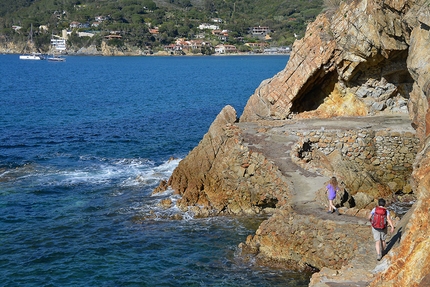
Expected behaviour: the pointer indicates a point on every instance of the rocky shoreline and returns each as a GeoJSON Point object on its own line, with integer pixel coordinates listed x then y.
{"type": "Point", "coordinates": [299, 235]}
{"type": "Point", "coordinates": [110, 51]}
{"type": "Point", "coordinates": [352, 102]}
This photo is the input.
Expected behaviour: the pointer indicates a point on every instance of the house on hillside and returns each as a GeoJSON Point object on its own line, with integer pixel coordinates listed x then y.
{"type": "Point", "coordinates": [100, 18]}
{"type": "Point", "coordinates": [173, 49]}
{"type": "Point", "coordinates": [260, 31]}
{"type": "Point", "coordinates": [225, 49]}
{"type": "Point", "coordinates": [58, 43]}
{"type": "Point", "coordinates": [75, 24]}
{"type": "Point", "coordinates": [181, 42]}
{"type": "Point", "coordinates": [197, 44]}
{"type": "Point", "coordinates": [206, 26]}
{"type": "Point", "coordinates": [222, 35]}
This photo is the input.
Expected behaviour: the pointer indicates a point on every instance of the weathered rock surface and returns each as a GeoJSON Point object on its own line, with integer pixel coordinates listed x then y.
{"type": "Point", "coordinates": [305, 235]}
{"type": "Point", "coordinates": [10, 47]}
{"type": "Point", "coordinates": [367, 57]}
{"type": "Point", "coordinates": [373, 161]}
{"type": "Point", "coordinates": [221, 175]}
{"type": "Point", "coordinates": [409, 264]}
{"type": "Point", "coordinates": [350, 63]}
{"type": "Point", "coordinates": [300, 242]}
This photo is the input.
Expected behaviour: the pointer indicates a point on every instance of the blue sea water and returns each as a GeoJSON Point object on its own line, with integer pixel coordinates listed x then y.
{"type": "Point", "coordinates": [82, 145]}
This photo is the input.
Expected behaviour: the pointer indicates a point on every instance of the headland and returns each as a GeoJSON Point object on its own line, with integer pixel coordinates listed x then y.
{"type": "Point", "coordinates": [352, 102]}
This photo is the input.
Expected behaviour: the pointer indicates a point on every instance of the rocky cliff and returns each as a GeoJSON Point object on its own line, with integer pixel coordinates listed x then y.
{"type": "Point", "coordinates": [349, 63]}
{"type": "Point", "coordinates": [222, 176]}
{"type": "Point", "coordinates": [9, 47]}
{"type": "Point", "coordinates": [362, 59]}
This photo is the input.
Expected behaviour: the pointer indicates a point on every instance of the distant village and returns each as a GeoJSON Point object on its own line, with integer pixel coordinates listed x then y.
{"type": "Point", "coordinates": [182, 46]}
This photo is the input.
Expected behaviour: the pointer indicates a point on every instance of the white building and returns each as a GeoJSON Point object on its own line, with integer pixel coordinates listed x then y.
{"type": "Point", "coordinates": [58, 43]}
{"type": "Point", "coordinates": [205, 26]}
{"type": "Point", "coordinates": [225, 49]}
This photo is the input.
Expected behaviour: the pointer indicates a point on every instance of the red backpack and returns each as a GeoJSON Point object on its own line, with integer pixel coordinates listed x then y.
{"type": "Point", "coordinates": [379, 219]}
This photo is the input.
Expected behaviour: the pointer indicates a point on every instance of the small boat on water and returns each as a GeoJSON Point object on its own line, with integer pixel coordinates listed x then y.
{"type": "Point", "coordinates": [31, 56]}
{"type": "Point", "coordinates": [55, 58]}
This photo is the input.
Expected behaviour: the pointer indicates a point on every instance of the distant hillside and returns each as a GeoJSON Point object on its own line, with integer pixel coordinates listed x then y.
{"type": "Point", "coordinates": [10, 6]}
{"type": "Point", "coordinates": [133, 19]}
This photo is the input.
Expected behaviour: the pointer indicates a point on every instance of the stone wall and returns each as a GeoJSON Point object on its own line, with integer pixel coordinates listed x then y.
{"type": "Point", "coordinates": [386, 155]}
{"type": "Point", "coordinates": [409, 264]}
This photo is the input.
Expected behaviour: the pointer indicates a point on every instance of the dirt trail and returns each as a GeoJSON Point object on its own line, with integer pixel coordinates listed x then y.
{"type": "Point", "coordinates": [275, 141]}
{"type": "Point", "coordinates": [276, 146]}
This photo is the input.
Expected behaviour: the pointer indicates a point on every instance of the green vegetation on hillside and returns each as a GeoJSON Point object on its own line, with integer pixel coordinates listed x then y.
{"type": "Point", "coordinates": [133, 19]}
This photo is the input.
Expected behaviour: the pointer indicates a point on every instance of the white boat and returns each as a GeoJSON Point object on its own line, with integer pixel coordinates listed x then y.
{"type": "Point", "coordinates": [54, 58]}
{"type": "Point", "coordinates": [31, 56]}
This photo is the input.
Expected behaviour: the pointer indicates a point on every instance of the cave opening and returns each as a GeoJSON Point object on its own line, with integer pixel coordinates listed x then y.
{"type": "Point", "coordinates": [314, 94]}
{"type": "Point", "coordinates": [378, 69]}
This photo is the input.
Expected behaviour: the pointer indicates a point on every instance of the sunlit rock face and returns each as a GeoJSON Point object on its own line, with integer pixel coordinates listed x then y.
{"type": "Point", "coordinates": [410, 263]}
{"type": "Point", "coordinates": [363, 58]}
{"type": "Point", "coordinates": [350, 62]}
{"type": "Point", "coordinates": [222, 176]}
{"type": "Point", "coordinates": [367, 57]}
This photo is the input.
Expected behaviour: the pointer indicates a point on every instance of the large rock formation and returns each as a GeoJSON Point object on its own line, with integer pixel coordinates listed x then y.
{"type": "Point", "coordinates": [349, 63]}
{"type": "Point", "coordinates": [410, 263]}
{"type": "Point", "coordinates": [367, 57]}
{"type": "Point", "coordinates": [221, 175]}
{"type": "Point", "coordinates": [303, 242]}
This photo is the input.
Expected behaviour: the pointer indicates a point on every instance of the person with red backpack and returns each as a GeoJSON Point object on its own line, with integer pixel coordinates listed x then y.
{"type": "Point", "coordinates": [379, 217]}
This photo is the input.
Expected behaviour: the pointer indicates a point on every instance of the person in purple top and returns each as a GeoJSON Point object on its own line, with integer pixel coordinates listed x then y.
{"type": "Point", "coordinates": [332, 188]}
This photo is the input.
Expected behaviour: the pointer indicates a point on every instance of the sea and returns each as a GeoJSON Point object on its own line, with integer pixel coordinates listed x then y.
{"type": "Point", "coordinates": [83, 143]}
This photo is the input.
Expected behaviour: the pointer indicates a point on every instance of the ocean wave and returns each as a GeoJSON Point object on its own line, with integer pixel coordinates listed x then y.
{"type": "Point", "coordinates": [89, 170]}
{"type": "Point", "coordinates": [155, 174]}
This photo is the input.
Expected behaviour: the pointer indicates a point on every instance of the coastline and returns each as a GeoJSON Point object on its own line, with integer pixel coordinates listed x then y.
{"type": "Point", "coordinates": [336, 71]}
{"type": "Point", "coordinates": [142, 54]}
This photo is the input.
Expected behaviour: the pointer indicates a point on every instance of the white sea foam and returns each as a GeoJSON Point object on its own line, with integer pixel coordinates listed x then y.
{"type": "Point", "coordinates": [154, 174]}
{"type": "Point", "coordinates": [102, 171]}
{"type": "Point", "coordinates": [4, 173]}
